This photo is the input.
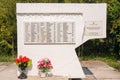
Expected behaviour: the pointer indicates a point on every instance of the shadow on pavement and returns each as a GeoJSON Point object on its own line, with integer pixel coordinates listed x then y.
{"type": "Point", "coordinates": [76, 79]}
{"type": "Point", "coordinates": [87, 71]}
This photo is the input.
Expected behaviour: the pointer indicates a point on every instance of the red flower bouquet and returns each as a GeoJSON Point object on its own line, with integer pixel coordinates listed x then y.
{"type": "Point", "coordinates": [23, 62]}
{"type": "Point", "coordinates": [44, 65]}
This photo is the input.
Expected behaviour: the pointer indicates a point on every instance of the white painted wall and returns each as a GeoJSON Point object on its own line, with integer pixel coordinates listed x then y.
{"type": "Point", "coordinates": [63, 57]}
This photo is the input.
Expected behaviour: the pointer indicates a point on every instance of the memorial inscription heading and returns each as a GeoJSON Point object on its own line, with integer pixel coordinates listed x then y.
{"type": "Point", "coordinates": [93, 28]}
{"type": "Point", "coordinates": [49, 33]}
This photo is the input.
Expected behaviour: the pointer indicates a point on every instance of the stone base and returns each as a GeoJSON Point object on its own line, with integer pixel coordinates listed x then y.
{"type": "Point", "coordinates": [46, 78]}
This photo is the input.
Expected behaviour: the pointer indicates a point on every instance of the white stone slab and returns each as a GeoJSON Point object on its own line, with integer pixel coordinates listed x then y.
{"type": "Point", "coordinates": [55, 30]}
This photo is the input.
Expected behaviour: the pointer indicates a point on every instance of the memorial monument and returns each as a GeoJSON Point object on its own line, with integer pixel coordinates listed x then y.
{"type": "Point", "coordinates": [54, 30]}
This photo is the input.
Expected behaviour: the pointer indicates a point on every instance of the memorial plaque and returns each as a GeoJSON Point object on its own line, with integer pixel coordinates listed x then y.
{"type": "Point", "coordinates": [49, 33]}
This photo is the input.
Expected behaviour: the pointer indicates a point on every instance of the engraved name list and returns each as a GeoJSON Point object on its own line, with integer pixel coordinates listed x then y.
{"type": "Point", "coordinates": [49, 33]}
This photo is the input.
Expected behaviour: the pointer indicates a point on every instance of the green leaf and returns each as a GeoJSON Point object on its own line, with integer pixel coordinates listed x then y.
{"type": "Point", "coordinates": [29, 63]}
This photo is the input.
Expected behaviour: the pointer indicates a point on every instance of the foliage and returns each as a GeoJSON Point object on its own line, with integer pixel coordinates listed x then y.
{"type": "Point", "coordinates": [7, 27]}
{"type": "Point", "coordinates": [109, 46]}
{"type": "Point", "coordinates": [6, 58]}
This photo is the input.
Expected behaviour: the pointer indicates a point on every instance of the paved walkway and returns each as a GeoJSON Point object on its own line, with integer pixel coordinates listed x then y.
{"type": "Point", "coordinates": [94, 70]}
{"type": "Point", "coordinates": [97, 70]}
{"type": "Point", "coordinates": [8, 71]}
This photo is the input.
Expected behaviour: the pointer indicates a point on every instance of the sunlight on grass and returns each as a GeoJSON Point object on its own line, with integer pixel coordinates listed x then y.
{"type": "Point", "coordinates": [7, 58]}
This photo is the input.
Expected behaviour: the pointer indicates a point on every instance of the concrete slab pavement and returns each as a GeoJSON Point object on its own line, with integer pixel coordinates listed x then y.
{"type": "Point", "coordinates": [100, 71]}
{"type": "Point", "coordinates": [8, 71]}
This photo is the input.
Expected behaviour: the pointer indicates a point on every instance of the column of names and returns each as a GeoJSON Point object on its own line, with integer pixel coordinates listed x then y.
{"type": "Point", "coordinates": [49, 33]}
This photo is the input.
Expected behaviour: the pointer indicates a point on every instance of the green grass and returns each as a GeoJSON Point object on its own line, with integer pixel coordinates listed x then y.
{"type": "Point", "coordinates": [4, 58]}
{"type": "Point", "coordinates": [111, 61]}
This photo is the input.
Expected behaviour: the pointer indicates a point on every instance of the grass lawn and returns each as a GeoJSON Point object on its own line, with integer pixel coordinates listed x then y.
{"type": "Point", "coordinates": [111, 61]}
{"type": "Point", "coordinates": [4, 58]}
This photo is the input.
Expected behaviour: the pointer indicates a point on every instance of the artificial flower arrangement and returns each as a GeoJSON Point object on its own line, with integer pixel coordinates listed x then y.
{"type": "Point", "coordinates": [44, 65]}
{"type": "Point", "coordinates": [23, 62]}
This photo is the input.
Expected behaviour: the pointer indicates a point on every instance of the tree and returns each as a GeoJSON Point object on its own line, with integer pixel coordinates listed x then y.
{"type": "Point", "coordinates": [7, 26]}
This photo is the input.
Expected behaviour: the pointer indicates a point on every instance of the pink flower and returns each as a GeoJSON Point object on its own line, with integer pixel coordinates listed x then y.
{"type": "Point", "coordinates": [44, 64]}
{"type": "Point", "coordinates": [51, 67]}
{"type": "Point", "coordinates": [38, 66]}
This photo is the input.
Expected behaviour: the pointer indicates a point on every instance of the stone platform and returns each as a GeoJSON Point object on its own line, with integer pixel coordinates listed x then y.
{"type": "Point", "coordinates": [46, 78]}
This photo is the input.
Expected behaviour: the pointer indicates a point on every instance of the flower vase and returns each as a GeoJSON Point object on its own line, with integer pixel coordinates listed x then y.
{"type": "Point", "coordinates": [43, 74]}
{"type": "Point", "coordinates": [22, 74]}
